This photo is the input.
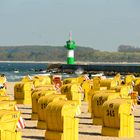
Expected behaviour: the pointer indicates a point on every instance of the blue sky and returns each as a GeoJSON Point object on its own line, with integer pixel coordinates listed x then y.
{"type": "Point", "coordinates": [100, 24]}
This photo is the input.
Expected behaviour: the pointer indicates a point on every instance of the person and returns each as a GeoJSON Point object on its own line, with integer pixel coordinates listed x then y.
{"type": "Point", "coordinates": [1, 86]}
{"type": "Point", "coordinates": [3, 80]}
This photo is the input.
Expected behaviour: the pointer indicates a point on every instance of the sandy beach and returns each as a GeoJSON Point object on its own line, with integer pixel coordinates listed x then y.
{"type": "Point", "coordinates": [87, 131]}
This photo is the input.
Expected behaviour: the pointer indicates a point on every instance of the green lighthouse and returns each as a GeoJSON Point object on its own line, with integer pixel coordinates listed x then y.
{"type": "Point", "coordinates": [70, 47]}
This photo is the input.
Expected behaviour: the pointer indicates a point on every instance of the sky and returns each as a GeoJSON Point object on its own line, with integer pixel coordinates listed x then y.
{"type": "Point", "coordinates": [100, 24]}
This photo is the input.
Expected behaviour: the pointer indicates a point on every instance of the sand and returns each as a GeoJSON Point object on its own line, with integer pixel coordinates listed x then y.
{"type": "Point", "coordinates": [87, 131]}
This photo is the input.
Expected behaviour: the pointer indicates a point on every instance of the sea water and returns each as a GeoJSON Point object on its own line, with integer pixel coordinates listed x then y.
{"type": "Point", "coordinates": [15, 71]}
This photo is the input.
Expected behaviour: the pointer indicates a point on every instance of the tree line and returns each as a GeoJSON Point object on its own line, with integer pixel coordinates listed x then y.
{"type": "Point", "coordinates": [128, 48]}
{"type": "Point", "coordinates": [125, 53]}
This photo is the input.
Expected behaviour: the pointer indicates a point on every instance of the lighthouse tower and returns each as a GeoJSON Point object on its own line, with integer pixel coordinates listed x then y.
{"type": "Point", "coordinates": [70, 45]}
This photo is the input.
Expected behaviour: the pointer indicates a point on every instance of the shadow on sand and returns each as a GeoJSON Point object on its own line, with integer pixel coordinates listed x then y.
{"type": "Point", "coordinates": [90, 133]}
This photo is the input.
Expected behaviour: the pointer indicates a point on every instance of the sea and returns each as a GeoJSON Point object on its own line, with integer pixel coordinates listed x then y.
{"type": "Point", "coordinates": [15, 71]}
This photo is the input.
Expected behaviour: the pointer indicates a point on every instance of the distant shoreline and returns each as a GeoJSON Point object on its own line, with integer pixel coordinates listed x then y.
{"type": "Point", "coordinates": [76, 63]}
{"type": "Point", "coordinates": [31, 62]}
